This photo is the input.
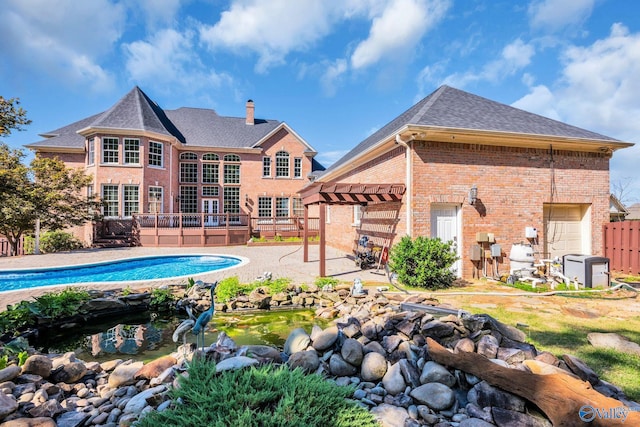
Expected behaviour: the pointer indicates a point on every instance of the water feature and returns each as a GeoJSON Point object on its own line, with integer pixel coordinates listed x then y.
{"type": "Point", "coordinates": [148, 336]}
{"type": "Point", "coordinates": [118, 271]}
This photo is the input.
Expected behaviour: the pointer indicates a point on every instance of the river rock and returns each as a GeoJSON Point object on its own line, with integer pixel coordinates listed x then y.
{"type": "Point", "coordinates": [483, 395]}
{"type": "Point", "coordinates": [31, 422]}
{"type": "Point", "coordinates": [352, 352]}
{"type": "Point", "coordinates": [261, 352]}
{"type": "Point", "coordinates": [435, 395]}
{"type": "Point", "coordinates": [393, 380]}
{"type": "Point", "coordinates": [38, 364]}
{"type": "Point", "coordinates": [139, 401]}
{"type": "Point", "coordinates": [433, 372]}
{"type": "Point", "coordinates": [10, 373]}
{"type": "Point", "coordinates": [326, 339]}
{"type": "Point", "coordinates": [488, 346]}
{"type": "Point", "coordinates": [50, 408]}
{"type": "Point", "coordinates": [308, 361]}
{"type": "Point", "coordinates": [581, 369]}
{"type": "Point", "coordinates": [156, 367]}
{"type": "Point", "coordinates": [506, 418]}
{"type": "Point", "coordinates": [475, 422]}
{"type": "Point", "coordinates": [340, 368]}
{"type": "Point", "coordinates": [234, 363]}
{"type": "Point", "coordinates": [613, 341]}
{"type": "Point", "coordinates": [124, 374]}
{"type": "Point", "coordinates": [298, 340]}
{"type": "Point", "coordinates": [390, 415]}
{"type": "Point", "coordinates": [374, 366]}
{"type": "Point", "coordinates": [8, 405]}
{"type": "Point", "coordinates": [465, 345]}
{"type": "Point", "coordinates": [69, 373]}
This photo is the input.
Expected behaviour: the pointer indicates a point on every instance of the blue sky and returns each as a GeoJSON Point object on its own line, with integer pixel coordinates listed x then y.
{"type": "Point", "coordinates": [334, 70]}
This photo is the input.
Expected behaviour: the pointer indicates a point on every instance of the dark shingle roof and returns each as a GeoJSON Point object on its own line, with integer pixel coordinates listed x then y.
{"type": "Point", "coordinates": [196, 127]}
{"type": "Point", "coordinates": [448, 107]}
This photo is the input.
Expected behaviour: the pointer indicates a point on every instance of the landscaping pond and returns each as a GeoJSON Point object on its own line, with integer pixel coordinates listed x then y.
{"type": "Point", "coordinates": [145, 337]}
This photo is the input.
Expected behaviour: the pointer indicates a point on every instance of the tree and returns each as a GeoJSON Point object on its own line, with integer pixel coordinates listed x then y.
{"type": "Point", "coordinates": [46, 190]}
{"type": "Point", "coordinates": [623, 189]}
{"type": "Point", "coordinates": [11, 116]}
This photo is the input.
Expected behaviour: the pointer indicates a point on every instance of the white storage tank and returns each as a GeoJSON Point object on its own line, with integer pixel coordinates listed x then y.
{"type": "Point", "coordinates": [521, 259]}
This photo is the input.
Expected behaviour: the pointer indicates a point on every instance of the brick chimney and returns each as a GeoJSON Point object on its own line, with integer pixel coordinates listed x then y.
{"type": "Point", "coordinates": [250, 113]}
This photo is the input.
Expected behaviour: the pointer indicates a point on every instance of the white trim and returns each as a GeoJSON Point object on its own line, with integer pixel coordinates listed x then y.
{"type": "Point", "coordinates": [285, 126]}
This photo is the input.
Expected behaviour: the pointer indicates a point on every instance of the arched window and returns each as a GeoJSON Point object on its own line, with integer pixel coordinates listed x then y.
{"type": "Point", "coordinates": [188, 156]}
{"type": "Point", "coordinates": [282, 164]}
{"type": "Point", "coordinates": [210, 157]}
{"type": "Point", "coordinates": [231, 158]}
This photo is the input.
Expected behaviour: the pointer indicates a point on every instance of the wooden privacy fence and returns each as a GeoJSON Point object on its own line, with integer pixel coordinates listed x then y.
{"type": "Point", "coordinates": [621, 242]}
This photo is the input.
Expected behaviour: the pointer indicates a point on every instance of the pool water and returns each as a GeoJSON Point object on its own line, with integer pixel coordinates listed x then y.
{"type": "Point", "coordinates": [126, 270]}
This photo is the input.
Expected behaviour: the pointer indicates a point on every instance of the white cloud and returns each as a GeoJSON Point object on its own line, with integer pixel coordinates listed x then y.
{"type": "Point", "coordinates": [62, 38]}
{"type": "Point", "coordinates": [554, 15]}
{"type": "Point", "coordinates": [397, 30]}
{"type": "Point", "coordinates": [157, 12]}
{"type": "Point", "coordinates": [271, 29]}
{"type": "Point", "coordinates": [332, 76]}
{"type": "Point", "coordinates": [168, 59]}
{"type": "Point", "coordinates": [539, 100]}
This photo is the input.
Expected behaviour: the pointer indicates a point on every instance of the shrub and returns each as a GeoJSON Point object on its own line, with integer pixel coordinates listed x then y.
{"type": "Point", "coordinates": [424, 262]}
{"type": "Point", "coordinates": [266, 396]}
{"type": "Point", "coordinates": [16, 317]}
{"type": "Point", "coordinates": [321, 282]}
{"type": "Point", "coordinates": [53, 241]}
{"type": "Point", "coordinates": [278, 285]}
{"type": "Point", "coordinates": [64, 303]}
{"type": "Point", "coordinates": [162, 298]}
{"type": "Point", "coordinates": [230, 287]}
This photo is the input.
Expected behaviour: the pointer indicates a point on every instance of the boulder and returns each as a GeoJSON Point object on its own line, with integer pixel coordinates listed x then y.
{"type": "Point", "coordinates": [234, 363]}
{"type": "Point", "coordinates": [374, 366]}
{"type": "Point", "coordinates": [156, 367]}
{"type": "Point", "coordinates": [308, 361]}
{"type": "Point", "coordinates": [352, 352]}
{"type": "Point", "coordinates": [38, 364]}
{"type": "Point", "coordinates": [298, 340]}
{"type": "Point", "coordinates": [124, 374]}
{"type": "Point", "coordinates": [393, 380]}
{"type": "Point", "coordinates": [326, 339]}
{"type": "Point", "coordinates": [8, 405]}
{"type": "Point", "coordinates": [613, 341]}
{"type": "Point", "coordinates": [341, 368]}
{"type": "Point", "coordinates": [9, 373]}
{"type": "Point", "coordinates": [433, 372]}
{"type": "Point", "coordinates": [390, 415]}
{"type": "Point", "coordinates": [31, 422]}
{"type": "Point", "coordinates": [69, 373]}
{"type": "Point", "coordinates": [435, 395]}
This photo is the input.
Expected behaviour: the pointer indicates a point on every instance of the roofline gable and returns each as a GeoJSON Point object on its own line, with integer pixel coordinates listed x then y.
{"type": "Point", "coordinates": [311, 151]}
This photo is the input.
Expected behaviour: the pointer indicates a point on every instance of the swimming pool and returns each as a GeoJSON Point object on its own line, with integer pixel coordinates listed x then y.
{"type": "Point", "coordinates": [118, 271]}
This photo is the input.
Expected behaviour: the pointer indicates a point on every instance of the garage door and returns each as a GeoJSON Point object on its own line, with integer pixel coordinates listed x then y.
{"type": "Point", "coordinates": [563, 229]}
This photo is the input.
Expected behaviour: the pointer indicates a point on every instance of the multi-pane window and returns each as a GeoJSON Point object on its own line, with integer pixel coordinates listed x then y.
{"type": "Point", "coordinates": [188, 172]}
{"type": "Point", "coordinates": [131, 151]}
{"type": "Point", "coordinates": [188, 199]}
{"type": "Point", "coordinates": [298, 207]}
{"type": "Point", "coordinates": [210, 173]}
{"type": "Point", "coordinates": [231, 173]}
{"type": "Point", "coordinates": [210, 156]}
{"type": "Point", "coordinates": [266, 167]}
{"type": "Point", "coordinates": [110, 200]}
{"type": "Point", "coordinates": [297, 167]}
{"type": "Point", "coordinates": [282, 164]}
{"type": "Point", "coordinates": [231, 158]}
{"type": "Point", "coordinates": [264, 207]}
{"type": "Point", "coordinates": [210, 191]}
{"type": "Point", "coordinates": [131, 200]}
{"type": "Point", "coordinates": [282, 207]}
{"type": "Point", "coordinates": [232, 202]}
{"type": "Point", "coordinates": [188, 156]}
{"type": "Point", "coordinates": [109, 150]}
{"type": "Point", "coordinates": [156, 154]}
{"type": "Point", "coordinates": [155, 199]}
{"type": "Point", "coordinates": [91, 151]}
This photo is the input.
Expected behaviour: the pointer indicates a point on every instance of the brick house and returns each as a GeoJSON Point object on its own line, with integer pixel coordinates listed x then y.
{"type": "Point", "coordinates": [186, 168]}
{"type": "Point", "coordinates": [470, 170]}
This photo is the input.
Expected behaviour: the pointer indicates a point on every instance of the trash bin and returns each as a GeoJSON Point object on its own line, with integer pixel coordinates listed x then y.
{"type": "Point", "coordinates": [591, 271]}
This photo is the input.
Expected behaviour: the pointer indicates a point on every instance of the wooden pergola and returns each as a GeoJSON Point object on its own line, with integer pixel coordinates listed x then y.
{"type": "Point", "coordinates": [341, 193]}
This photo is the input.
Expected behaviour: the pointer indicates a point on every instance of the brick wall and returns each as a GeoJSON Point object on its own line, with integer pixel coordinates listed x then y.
{"type": "Point", "coordinates": [514, 184]}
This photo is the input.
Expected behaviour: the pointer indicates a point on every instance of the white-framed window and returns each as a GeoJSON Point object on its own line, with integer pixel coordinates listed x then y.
{"type": "Point", "coordinates": [231, 158]}
{"type": "Point", "coordinates": [231, 173]}
{"type": "Point", "coordinates": [210, 157]}
{"type": "Point", "coordinates": [156, 154]}
{"type": "Point", "coordinates": [210, 191]}
{"type": "Point", "coordinates": [210, 173]}
{"type": "Point", "coordinates": [357, 215]}
{"type": "Point", "coordinates": [231, 202]}
{"type": "Point", "coordinates": [188, 199]}
{"type": "Point", "coordinates": [282, 164]}
{"type": "Point", "coordinates": [110, 203]}
{"type": "Point", "coordinates": [110, 150]}
{"type": "Point", "coordinates": [131, 200]}
{"type": "Point", "coordinates": [156, 198]}
{"type": "Point", "coordinates": [297, 167]}
{"type": "Point", "coordinates": [91, 151]}
{"type": "Point", "coordinates": [282, 207]}
{"type": "Point", "coordinates": [266, 167]}
{"type": "Point", "coordinates": [131, 151]}
{"type": "Point", "coordinates": [188, 172]}
{"type": "Point", "coordinates": [188, 156]}
{"type": "Point", "coordinates": [298, 207]}
{"type": "Point", "coordinates": [264, 207]}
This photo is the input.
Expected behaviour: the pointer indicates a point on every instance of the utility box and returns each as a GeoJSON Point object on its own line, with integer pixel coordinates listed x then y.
{"type": "Point", "coordinates": [496, 250]}
{"type": "Point", "coordinates": [482, 237]}
{"type": "Point", "coordinates": [591, 271]}
{"type": "Point", "coordinates": [475, 253]}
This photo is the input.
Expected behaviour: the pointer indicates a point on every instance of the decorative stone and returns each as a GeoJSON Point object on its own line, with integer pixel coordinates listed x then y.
{"type": "Point", "coordinates": [512, 356]}
{"type": "Point", "coordinates": [475, 422]}
{"type": "Point", "coordinates": [435, 395]}
{"type": "Point", "coordinates": [8, 405]}
{"type": "Point", "coordinates": [614, 341]}
{"type": "Point", "coordinates": [69, 373]}
{"type": "Point", "coordinates": [483, 395]}
{"type": "Point", "coordinates": [436, 329]}
{"type": "Point", "coordinates": [31, 422]}
{"type": "Point", "coordinates": [340, 368]}
{"type": "Point", "coordinates": [9, 373]}
{"type": "Point", "coordinates": [50, 408]}
{"type": "Point", "coordinates": [326, 339]}
{"type": "Point", "coordinates": [235, 363]}
{"type": "Point", "coordinates": [433, 372]}
{"type": "Point", "coordinates": [139, 401]}
{"type": "Point", "coordinates": [262, 352]}
{"type": "Point", "coordinates": [488, 346]}
{"type": "Point", "coordinates": [124, 374]}
{"type": "Point", "coordinates": [308, 361]}
{"type": "Point", "coordinates": [581, 369]}
{"type": "Point", "coordinates": [465, 345]}
{"type": "Point", "coordinates": [155, 367]}
{"type": "Point", "coordinates": [352, 352]}
{"type": "Point", "coordinates": [389, 415]}
{"type": "Point", "coordinates": [393, 380]}
{"type": "Point", "coordinates": [507, 418]}
{"type": "Point", "coordinates": [374, 366]}
{"type": "Point", "coordinates": [38, 364]}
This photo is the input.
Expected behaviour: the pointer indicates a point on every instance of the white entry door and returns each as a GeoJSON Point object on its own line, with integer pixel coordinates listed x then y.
{"type": "Point", "coordinates": [446, 226]}
{"type": "Point", "coordinates": [210, 206]}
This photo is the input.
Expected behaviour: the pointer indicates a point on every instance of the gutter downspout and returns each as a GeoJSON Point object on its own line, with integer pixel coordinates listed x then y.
{"type": "Point", "coordinates": [408, 180]}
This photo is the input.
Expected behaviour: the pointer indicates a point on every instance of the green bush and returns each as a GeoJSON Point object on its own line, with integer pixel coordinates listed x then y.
{"type": "Point", "coordinates": [321, 282]}
{"type": "Point", "coordinates": [424, 262]}
{"type": "Point", "coordinates": [277, 285]}
{"type": "Point", "coordinates": [63, 303]}
{"type": "Point", "coordinates": [162, 298]}
{"type": "Point", "coordinates": [57, 241]}
{"type": "Point", "coordinates": [16, 317]}
{"type": "Point", "coordinates": [266, 396]}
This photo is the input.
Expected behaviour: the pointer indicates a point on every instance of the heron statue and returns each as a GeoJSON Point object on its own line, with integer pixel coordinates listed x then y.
{"type": "Point", "coordinates": [184, 327]}
{"type": "Point", "coordinates": [204, 318]}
